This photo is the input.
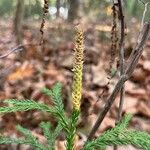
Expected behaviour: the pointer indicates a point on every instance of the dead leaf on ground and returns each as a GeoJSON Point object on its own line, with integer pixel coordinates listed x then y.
{"type": "Point", "coordinates": [22, 72]}
{"type": "Point", "coordinates": [99, 75]}
{"type": "Point", "coordinates": [144, 109]}
{"type": "Point", "coordinates": [139, 75]}
{"type": "Point", "coordinates": [130, 104]}
{"type": "Point", "coordinates": [139, 93]}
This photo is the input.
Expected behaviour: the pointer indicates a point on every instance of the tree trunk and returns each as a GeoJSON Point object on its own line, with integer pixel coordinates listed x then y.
{"type": "Point", "coordinates": [73, 11]}
{"type": "Point", "coordinates": [18, 21]}
{"type": "Point", "coordinates": [58, 8]}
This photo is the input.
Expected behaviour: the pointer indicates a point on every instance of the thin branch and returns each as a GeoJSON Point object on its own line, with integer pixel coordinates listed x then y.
{"type": "Point", "coordinates": [133, 59]}
{"type": "Point", "coordinates": [132, 64]}
{"type": "Point", "coordinates": [122, 61]}
{"type": "Point", "coordinates": [16, 49]}
{"type": "Point", "coordinates": [45, 12]}
{"type": "Point", "coordinates": [144, 13]}
{"type": "Point", "coordinates": [142, 24]}
{"type": "Point", "coordinates": [114, 39]}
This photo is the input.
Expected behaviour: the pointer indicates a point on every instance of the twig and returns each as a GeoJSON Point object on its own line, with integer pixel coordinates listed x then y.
{"type": "Point", "coordinates": [142, 24]}
{"type": "Point", "coordinates": [114, 39]}
{"type": "Point", "coordinates": [16, 49]}
{"type": "Point", "coordinates": [45, 12]}
{"type": "Point", "coordinates": [133, 59]}
{"type": "Point", "coordinates": [144, 13]}
{"type": "Point", "coordinates": [132, 64]}
{"type": "Point", "coordinates": [122, 61]}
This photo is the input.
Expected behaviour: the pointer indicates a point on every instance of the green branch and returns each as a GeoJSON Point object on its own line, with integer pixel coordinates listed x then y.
{"type": "Point", "coordinates": [120, 135]}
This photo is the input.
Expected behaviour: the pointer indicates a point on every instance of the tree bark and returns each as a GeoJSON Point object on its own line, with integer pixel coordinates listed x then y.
{"type": "Point", "coordinates": [73, 11]}
{"type": "Point", "coordinates": [58, 8]}
{"type": "Point", "coordinates": [18, 21]}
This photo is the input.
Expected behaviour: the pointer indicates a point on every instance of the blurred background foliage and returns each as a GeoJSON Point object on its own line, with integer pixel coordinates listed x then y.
{"type": "Point", "coordinates": [135, 8]}
{"type": "Point", "coordinates": [99, 8]}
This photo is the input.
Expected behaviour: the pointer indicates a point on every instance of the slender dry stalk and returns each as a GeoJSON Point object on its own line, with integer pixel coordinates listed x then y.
{"type": "Point", "coordinates": [132, 63]}
{"type": "Point", "coordinates": [114, 39]}
{"type": "Point", "coordinates": [17, 49]}
{"type": "Point", "coordinates": [45, 12]}
{"type": "Point", "coordinates": [144, 13]}
{"type": "Point", "coordinates": [122, 60]}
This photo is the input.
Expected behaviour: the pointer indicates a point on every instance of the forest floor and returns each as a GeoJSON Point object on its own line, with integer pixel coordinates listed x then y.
{"type": "Point", "coordinates": [24, 73]}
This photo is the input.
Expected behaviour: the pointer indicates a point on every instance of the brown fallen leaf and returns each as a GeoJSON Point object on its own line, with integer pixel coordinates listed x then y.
{"type": "Point", "coordinates": [53, 74]}
{"type": "Point", "coordinates": [141, 123]}
{"type": "Point", "coordinates": [146, 66]}
{"type": "Point", "coordinates": [139, 93]}
{"type": "Point", "coordinates": [22, 72]}
{"type": "Point", "coordinates": [130, 104]}
{"type": "Point", "coordinates": [107, 123]}
{"type": "Point", "coordinates": [144, 108]}
{"type": "Point", "coordinates": [139, 75]}
{"type": "Point", "coordinates": [99, 75]}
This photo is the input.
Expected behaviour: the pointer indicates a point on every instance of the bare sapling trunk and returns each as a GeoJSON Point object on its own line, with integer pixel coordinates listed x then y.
{"type": "Point", "coordinates": [73, 11]}
{"type": "Point", "coordinates": [58, 4]}
{"type": "Point", "coordinates": [18, 21]}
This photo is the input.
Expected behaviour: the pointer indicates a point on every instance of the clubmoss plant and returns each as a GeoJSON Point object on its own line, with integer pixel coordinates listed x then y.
{"type": "Point", "coordinates": [77, 69]}
{"type": "Point", "coordinates": [76, 87]}
{"type": "Point", "coordinates": [119, 135]}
